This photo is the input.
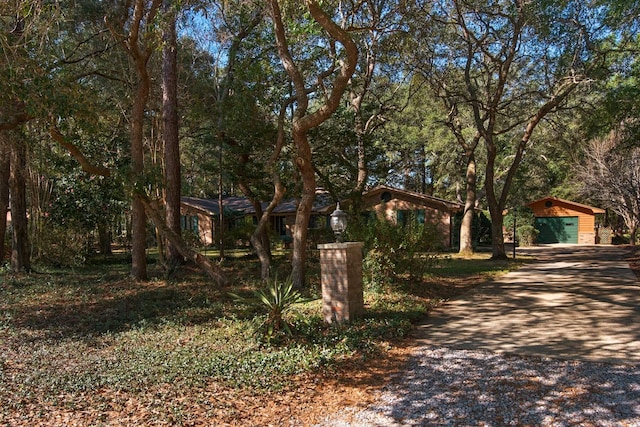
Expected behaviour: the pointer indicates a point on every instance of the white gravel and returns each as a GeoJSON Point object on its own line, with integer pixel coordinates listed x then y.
{"type": "Point", "coordinates": [444, 387]}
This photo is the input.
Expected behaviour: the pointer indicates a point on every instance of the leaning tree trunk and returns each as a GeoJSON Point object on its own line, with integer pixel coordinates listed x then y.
{"type": "Point", "coordinates": [176, 240]}
{"type": "Point", "coordinates": [20, 261]}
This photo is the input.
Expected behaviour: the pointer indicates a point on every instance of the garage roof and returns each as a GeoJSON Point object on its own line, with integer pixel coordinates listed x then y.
{"type": "Point", "coordinates": [593, 209]}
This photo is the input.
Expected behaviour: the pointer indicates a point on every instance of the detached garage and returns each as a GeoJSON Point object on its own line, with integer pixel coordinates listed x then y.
{"type": "Point", "coordinates": [562, 221]}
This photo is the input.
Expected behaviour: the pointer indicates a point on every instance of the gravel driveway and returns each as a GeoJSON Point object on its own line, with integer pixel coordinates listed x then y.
{"type": "Point", "coordinates": [556, 343]}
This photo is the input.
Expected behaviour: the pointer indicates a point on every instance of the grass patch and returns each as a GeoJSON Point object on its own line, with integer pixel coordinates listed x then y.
{"type": "Point", "coordinates": [479, 265]}
{"type": "Point", "coordinates": [93, 340]}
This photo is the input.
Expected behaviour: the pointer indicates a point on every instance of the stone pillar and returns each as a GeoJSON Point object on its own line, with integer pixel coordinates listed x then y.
{"type": "Point", "coordinates": [341, 278]}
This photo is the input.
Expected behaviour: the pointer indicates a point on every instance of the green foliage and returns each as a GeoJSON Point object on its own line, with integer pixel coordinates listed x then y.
{"type": "Point", "coordinates": [393, 251]}
{"type": "Point", "coordinates": [277, 299]}
{"type": "Point", "coordinates": [481, 229]}
{"type": "Point", "coordinates": [191, 238]}
{"type": "Point", "coordinates": [363, 335]}
{"type": "Point", "coordinates": [61, 246]}
{"type": "Point", "coordinates": [240, 234]}
{"type": "Point", "coordinates": [93, 338]}
{"type": "Point", "coordinates": [82, 202]}
{"type": "Point", "coordinates": [526, 232]}
{"type": "Point", "coordinates": [527, 235]}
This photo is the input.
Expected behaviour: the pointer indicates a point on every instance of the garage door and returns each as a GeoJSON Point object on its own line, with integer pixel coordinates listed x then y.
{"type": "Point", "coordinates": [557, 229]}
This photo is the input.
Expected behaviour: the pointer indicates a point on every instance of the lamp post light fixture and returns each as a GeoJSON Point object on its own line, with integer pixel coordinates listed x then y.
{"type": "Point", "coordinates": [338, 223]}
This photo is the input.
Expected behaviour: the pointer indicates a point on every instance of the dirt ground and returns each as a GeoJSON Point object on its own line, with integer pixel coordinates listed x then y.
{"type": "Point", "coordinates": [356, 385]}
{"type": "Point", "coordinates": [312, 397]}
{"type": "Point", "coordinates": [307, 402]}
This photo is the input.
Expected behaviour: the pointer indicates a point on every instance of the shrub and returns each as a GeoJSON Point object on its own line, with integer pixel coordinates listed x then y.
{"type": "Point", "coordinates": [527, 235]}
{"type": "Point", "coordinates": [60, 247]}
{"type": "Point", "coordinates": [481, 229]}
{"type": "Point", "coordinates": [277, 299]}
{"type": "Point", "coordinates": [392, 251]}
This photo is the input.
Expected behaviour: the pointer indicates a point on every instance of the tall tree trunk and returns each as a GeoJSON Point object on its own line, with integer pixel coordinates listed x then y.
{"type": "Point", "coordinates": [170, 130]}
{"type": "Point", "coordinates": [303, 121]}
{"type": "Point", "coordinates": [363, 173]}
{"type": "Point", "coordinates": [303, 212]}
{"type": "Point", "coordinates": [423, 170]}
{"type": "Point", "coordinates": [466, 228]}
{"type": "Point", "coordinates": [20, 260]}
{"type": "Point", "coordinates": [221, 220]}
{"type": "Point", "coordinates": [360, 131]}
{"type": "Point", "coordinates": [139, 31]}
{"type": "Point", "coordinates": [495, 202]}
{"type": "Point", "coordinates": [138, 215]}
{"type": "Point", "coordinates": [104, 238]}
{"type": "Point", "coordinates": [5, 164]}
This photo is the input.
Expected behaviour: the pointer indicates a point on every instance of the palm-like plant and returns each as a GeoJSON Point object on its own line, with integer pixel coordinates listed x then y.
{"type": "Point", "coordinates": [278, 297]}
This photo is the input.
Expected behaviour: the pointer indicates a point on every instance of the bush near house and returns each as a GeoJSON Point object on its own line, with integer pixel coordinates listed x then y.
{"type": "Point", "coordinates": [526, 233]}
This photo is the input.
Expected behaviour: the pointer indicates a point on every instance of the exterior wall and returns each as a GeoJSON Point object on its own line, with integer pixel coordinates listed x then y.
{"type": "Point", "coordinates": [441, 220]}
{"type": "Point", "coordinates": [586, 219]}
{"type": "Point", "coordinates": [206, 231]}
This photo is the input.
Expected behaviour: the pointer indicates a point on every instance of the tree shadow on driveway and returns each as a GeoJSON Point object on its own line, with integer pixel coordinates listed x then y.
{"type": "Point", "coordinates": [576, 302]}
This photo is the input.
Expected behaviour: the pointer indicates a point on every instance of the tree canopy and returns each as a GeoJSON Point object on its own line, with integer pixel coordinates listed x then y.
{"type": "Point", "coordinates": [488, 103]}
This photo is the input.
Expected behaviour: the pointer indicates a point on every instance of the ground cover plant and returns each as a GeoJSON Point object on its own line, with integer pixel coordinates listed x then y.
{"type": "Point", "coordinates": [90, 346]}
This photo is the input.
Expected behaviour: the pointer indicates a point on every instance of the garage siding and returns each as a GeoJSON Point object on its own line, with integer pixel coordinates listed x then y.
{"type": "Point", "coordinates": [564, 209]}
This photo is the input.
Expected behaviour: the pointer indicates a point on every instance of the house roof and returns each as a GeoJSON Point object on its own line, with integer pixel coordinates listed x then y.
{"type": "Point", "coordinates": [412, 196]}
{"type": "Point", "coordinates": [323, 203]}
{"type": "Point", "coordinates": [593, 209]}
{"type": "Point", "coordinates": [242, 205]}
{"type": "Point", "coordinates": [210, 206]}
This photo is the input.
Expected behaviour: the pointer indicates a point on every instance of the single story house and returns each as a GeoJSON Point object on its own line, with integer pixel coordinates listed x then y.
{"type": "Point", "coordinates": [201, 215]}
{"type": "Point", "coordinates": [395, 205]}
{"type": "Point", "coordinates": [563, 221]}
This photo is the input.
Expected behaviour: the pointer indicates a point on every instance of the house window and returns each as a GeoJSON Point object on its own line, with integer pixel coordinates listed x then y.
{"type": "Point", "coordinates": [315, 222]}
{"type": "Point", "coordinates": [279, 226]}
{"type": "Point", "coordinates": [189, 222]}
{"type": "Point", "coordinates": [405, 217]}
{"type": "Point", "coordinates": [402, 217]}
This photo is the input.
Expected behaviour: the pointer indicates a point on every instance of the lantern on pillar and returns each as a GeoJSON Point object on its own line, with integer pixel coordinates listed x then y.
{"type": "Point", "coordinates": [338, 223]}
